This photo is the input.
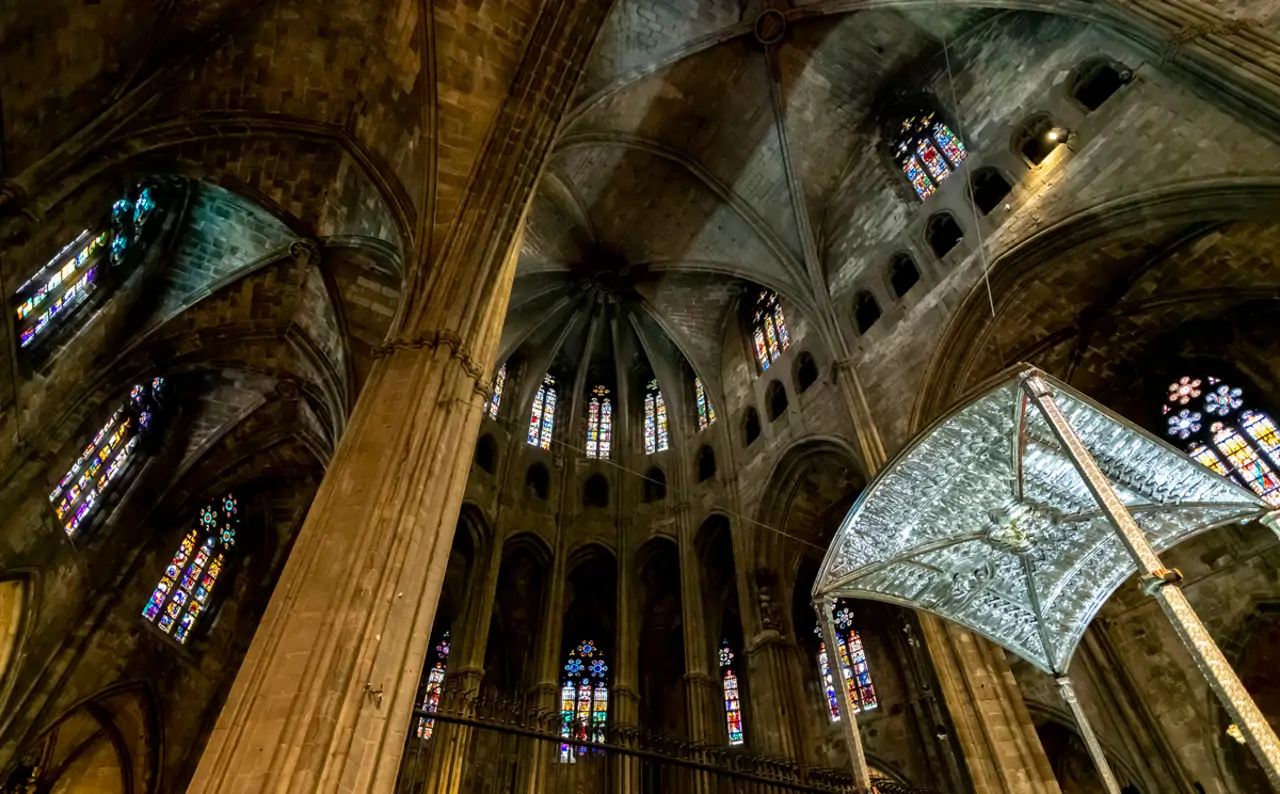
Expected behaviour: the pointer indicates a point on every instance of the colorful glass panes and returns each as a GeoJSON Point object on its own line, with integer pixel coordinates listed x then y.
{"type": "Point", "coordinates": [105, 458]}
{"type": "Point", "coordinates": [70, 277]}
{"type": "Point", "coordinates": [435, 687]}
{"type": "Point", "coordinates": [584, 699]}
{"type": "Point", "coordinates": [599, 423]}
{"type": "Point", "coordinates": [853, 661]}
{"type": "Point", "coordinates": [927, 151]}
{"type": "Point", "coordinates": [732, 699]}
{"type": "Point", "coordinates": [706, 412]}
{"type": "Point", "coordinates": [1243, 444]}
{"type": "Point", "coordinates": [543, 418]}
{"type": "Point", "coordinates": [828, 683]}
{"type": "Point", "coordinates": [183, 592]}
{"type": "Point", "coordinates": [495, 399]}
{"type": "Point", "coordinates": [655, 419]}
{"type": "Point", "coordinates": [769, 329]}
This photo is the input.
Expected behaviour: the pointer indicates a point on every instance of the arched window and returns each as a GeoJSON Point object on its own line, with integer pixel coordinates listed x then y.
{"type": "Point", "coordinates": [599, 423]}
{"type": "Point", "coordinates": [732, 698]}
{"type": "Point", "coordinates": [538, 480]}
{"type": "Point", "coordinates": [543, 418]}
{"type": "Point", "coordinates": [655, 485]}
{"type": "Point", "coordinates": [1210, 418]}
{"type": "Point", "coordinates": [183, 592]}
{"type": "Point", "coordinates": [435, 687]}
{"type": "Point", "coordinates": [1037, 137]}
{"type": "Point", "coordinates": [495, 399]}
{"type": "Point", "coordinates": [52, 295]}
{"type": "Point", "coordinates": [903, 275]}
{"type": "Point", "coordinates": [106, 457]}
{"type": "Point", "coordinates": [853, 660]}
{"type": "Point", "coordinates": [865, 311]}
{"type": "Point", "coordinates": [655, 419]}
{"type": "Point", "coordinates": [943, 233]}
{"type": "Point", "coordinates": [750, 426]}
{"type": "Point", "coordinates": [769, 329]}
{"type": "Point", "coordinates": [584, 699]}
{"type": "Point", "coordinates": [595, 491]}
{"type": "Point", "coordinates": [706, 412]}
{"type": "Point", "coordinates": [1095, 80]}
{"type": "Point", "coordinates": [806, 371]}
{"type": "Point", "coordinates": [776, 395]}
{"type": "Point", "coordinates": [928, 151]}
{"type": "Point", "coordinates": [486, 453]}
{"type": "Point", "coordinates": [989, 189]}
{"type": "Point", "coordinates": [706, 463]}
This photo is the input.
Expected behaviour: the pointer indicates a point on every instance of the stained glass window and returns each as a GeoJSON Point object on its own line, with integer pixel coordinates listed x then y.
{"type": "Point", "coordinates": [183, 592]}
{"type": "Point", "coordinates": [72, 275]}
{"type": "Point", "coordinates": [853, 661]}
{"type": "Point", "coordinates": [599, 423]}
{"type": "Point", "coordinates": [732, 698]}
{"type": "Point", "coordinates": [106, 457]}
{"type": "Point", "coordinates": [543, 418]}
{"type": "Point", "coordinates": [435, 687]}
{"type": "Point", "coordinates": [584, 699]}
{"type": "Point", "coordinates": [706, 411]}
{"type": "Point", "coordinates": [927, 151]}
{"type": "Point", "coordinates": [769, 329]}
{"type": "Point", "coordinates": [1220, 433]}
{"type": "Point", "coordinates": [495, 399]}
{"type": "Point", "coordinates": [655, 419]}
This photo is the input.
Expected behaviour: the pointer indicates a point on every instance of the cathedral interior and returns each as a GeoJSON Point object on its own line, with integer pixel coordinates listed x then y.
{"type": "Point", "coordinates": [370, 356]}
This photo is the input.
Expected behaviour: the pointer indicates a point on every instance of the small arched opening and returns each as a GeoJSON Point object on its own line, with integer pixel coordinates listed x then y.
{"type": "Point", "coordinates": [866, 311]}
{"type": "Point", "coordinates": [655, 485]}
{"type": "Point", "coordinates": [706, 463]}
{"type": "Point", "coordinates": [750, 426]}
{"type": "Point", "coordinates": [1036, 138]}
{"type": "Point", "coordinates": [487, 453]}
{"type": "Point", "coordinates": [1094, 81]}
{"type": "Point", "coordinates": [989, 189]}
{"type": "Point", "coordinates": [943, 234]}
{"type": "Point", "coordinates": [538, 480]}
{"type": "Point", "coordinates": [903, 275]}
{"type": "Point", "coordinates": [776, 397]}
{"type": "Point", "coordinates": [806, 373]}
{"type": "Point", "coordinates": [595, 491]}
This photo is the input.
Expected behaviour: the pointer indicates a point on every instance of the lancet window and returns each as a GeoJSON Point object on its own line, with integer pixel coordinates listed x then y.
{"type": "Point", "coordinates": [706, 411]}
{"type": "Point", "coordinates": [769, 329]}
{"type": "Point", "coordinates": [655, 419]}
{"type": "Point", "coordinates": [543, 418]}
{"type": "Point", "coordinates": [584, 699]}
{"type": "Point", "coordinates": [732, 697]}
{"type": "Point", "coordinates": [495, 398]}
{"type": "Point", "coordinates": [853, 660]}
{"type": "Point", "coordinates": [1209, 416]}
{"type": "Point", "coordinates": [183, 593]}
{"type": "Point", "coordinates": [435, 687]}
{"type": "Point", "coordinates": [52, 295]}
{"type": "Point", "coordinates": [106, 457]}
{"type": "Point", "coordinates": [927, 151]}
{"type": "Point", "coordinates": [599, 423]}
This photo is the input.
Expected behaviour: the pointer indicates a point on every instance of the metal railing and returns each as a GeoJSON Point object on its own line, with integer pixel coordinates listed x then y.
{"type": "Point", "coordinates": [501, 746]}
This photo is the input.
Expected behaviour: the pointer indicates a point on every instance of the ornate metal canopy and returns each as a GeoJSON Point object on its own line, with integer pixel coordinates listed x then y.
{"type": "Point", "coordinates": [984, 519]}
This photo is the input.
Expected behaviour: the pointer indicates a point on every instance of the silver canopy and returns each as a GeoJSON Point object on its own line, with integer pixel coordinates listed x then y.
{"type": "Point", "coordinates": [984, 520]}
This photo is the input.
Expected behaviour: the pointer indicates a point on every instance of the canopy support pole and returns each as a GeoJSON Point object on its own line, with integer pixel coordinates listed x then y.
{"type": "Point", "coordinates": [1163, 584]}
{"type": "Point", "coordinates": [1090, 738]}
{"type": "Point", "coordinates": [848, 719]}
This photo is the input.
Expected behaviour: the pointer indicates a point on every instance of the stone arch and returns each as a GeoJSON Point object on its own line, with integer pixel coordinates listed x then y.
{"type": "Point", "coordinates": [515, 623]}
{"type": "Point", "coordinates": [655, 485]}
{"type": "Point", "coordinates": [590, 599]}
{"type": "Point", "coordinates": [805, 371]}
{"type": "Point", "coordinates": [775, 395]}
{"type": "Point", "coordinates": [1035, 139]}
{"type": "Point", "coordinates": [964, 353]}
{"type": "Point", "coordinates": [706, 463]}
{"type": "Point", "coordinates": [595, 491]}
{"type": "Point", "coordinates": [1068, 755]}
{"type": "Point", "coordinates": [942, 233]}
{"type": "Point", "coordinates": [16, 617]}
{"type": "Point", "coordinates": [486, 456]}
{"type": "Point", "coordinates": [660, 619]}
{"type": "Point", "coordinates": [988, 187]}
{"type": "Point", "coordinates": [750, 426]}
{"type": "Point", "coordinates": [866, 311]}
{"type": "Point", "coordinates": [1094, 81]}
{"type": "Point", "coordinates": [903, 274]}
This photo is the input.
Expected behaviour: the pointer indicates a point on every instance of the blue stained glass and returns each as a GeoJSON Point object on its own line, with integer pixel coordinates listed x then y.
{"type": "Point", "coordinates": [543, 417]}
{"type": "Point", "coordinates": [706, 412]}
{"type": "Point", "coordinates": [950, 143]}
{"type": "Point", "coordinates": [584, 699]}
{"type": "Point", "coordinates": [182, 601]}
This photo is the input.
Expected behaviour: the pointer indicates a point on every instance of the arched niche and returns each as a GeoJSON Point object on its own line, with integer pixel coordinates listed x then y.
{"type": "Point", "coordinates": [516, 620]}
{"type": "Point", "coordinates": [806, 371]}
{"type": "Point", "coordinates": [775, 396]}
{"type": "Point", "coordinates": [660, 618]}
{"type": "Point", "coordinates": [722, 612]}
{"type": "Point", "coordinates": [750, 426]}
{"type": "Point", "coordinates": [655, 485]}
{"type": "Point", "coordinates": [706, 463]}
{"type": "Point", "coordinates": [537, 481]}
{"type": "Point", "coordinates": [590, 601]}
{"type": "Point", "coordinates": [595, 491]}
{"type": "Point", "coordinates": [486, 453]}
{"type": "Point", "coordinates": [13, 608]}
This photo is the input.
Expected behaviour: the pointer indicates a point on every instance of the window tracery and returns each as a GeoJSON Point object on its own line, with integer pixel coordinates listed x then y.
{"type": "Point", "coordinates": [435, 687]}
{"type": "Point", "coordinates": [52, 295]}
{"type": "Point", "coordinates": [706, 411]}
{"type": "Point", "coordinates": [599, 423]}
{"type": "Point", "coordinates": [183, 593]}
{"type": "Point", "coordinates": [495, 399]}
{"type": "Point", "coordinates": [769, 329]}
{"type": "Point", "coordinates": [106, 457]}
{"type": "Point", "coordinates": [1220, 433]}
{"type": "Point", "coordinates": [927, 151]}
{"type": "Point", "coordinates": [543, 418]}
{"type": "Point", "coordinates": [655, 419]}
{"type": "Point", "coordinates": [853, 661]}
{"type": "Point", "coordinates": [732, 698]}
{"type": "Point", "coordinates": [584, 699]}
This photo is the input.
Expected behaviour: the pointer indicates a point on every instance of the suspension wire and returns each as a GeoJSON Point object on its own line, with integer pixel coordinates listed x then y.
{"type": "Point", "coordinates": [574, 450]}
{"type": "Point", "coordinates": [968, 178]}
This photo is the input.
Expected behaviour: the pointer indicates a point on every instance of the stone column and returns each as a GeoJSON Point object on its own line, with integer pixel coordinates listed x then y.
{"type": "Point", "coordinates": [323, 700]}
{"type": "Point", "coordinates": [624, 697]}
{"type": "Point", "coordinates": [776, 695]}
{"type": "Point", "coordinates": [1001, 748]}
{"type": "Point", "coordinates": [702, 690]}
{"type": "Point", "coordinates": [540, 755]}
